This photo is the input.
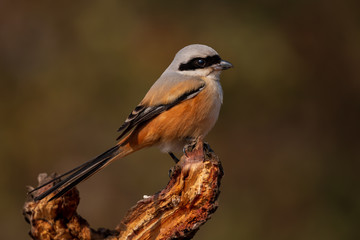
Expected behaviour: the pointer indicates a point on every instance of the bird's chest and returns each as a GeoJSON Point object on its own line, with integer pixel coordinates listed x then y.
{"type": "Point", "coordinates": [190, 119]}
{"type": "Point", "coordinates": [209, 106]}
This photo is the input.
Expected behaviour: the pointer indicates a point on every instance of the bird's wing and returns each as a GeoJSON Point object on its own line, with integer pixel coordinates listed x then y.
{"type": "Point", "coordinates": [166, 92]}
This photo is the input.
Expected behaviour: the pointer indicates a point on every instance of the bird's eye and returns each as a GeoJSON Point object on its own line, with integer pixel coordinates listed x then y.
{"type": "Point", "coordinates": [200, 62]}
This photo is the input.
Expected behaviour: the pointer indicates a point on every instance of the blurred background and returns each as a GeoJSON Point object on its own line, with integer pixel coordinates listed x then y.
{"type": "Point", "coordinates": [288, 132]}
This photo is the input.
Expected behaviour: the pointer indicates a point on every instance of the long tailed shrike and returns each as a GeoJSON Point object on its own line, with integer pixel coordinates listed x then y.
{"type": "Point", "coordinates": [182, 105]}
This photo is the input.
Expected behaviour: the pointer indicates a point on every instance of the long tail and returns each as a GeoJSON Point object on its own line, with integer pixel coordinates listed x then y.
{"type": "Point", "coordinates": [78, 174]}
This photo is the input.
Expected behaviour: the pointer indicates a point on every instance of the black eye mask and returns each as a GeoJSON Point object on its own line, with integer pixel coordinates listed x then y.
{"type": "Point", "coordinates": [198, 63]}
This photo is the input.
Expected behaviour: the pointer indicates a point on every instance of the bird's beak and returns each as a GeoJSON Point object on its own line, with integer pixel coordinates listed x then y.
{"type": "Point", "coordinates": [223, 65]}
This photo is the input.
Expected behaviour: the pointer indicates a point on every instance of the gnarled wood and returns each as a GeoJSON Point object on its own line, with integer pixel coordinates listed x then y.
{"type": "Point", "coordinates": [176, 212]}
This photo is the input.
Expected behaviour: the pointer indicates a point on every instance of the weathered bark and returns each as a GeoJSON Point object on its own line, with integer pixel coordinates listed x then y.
{"type": "Point", "coordinates": [176, 212]}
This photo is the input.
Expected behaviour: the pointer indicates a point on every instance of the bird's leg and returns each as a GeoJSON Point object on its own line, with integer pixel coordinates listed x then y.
{"type": "Point", "coordinates": [176, 160]}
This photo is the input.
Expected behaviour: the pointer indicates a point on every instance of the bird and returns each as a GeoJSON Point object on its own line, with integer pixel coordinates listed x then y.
{"type": "Point", "coordinates": [180, 107]}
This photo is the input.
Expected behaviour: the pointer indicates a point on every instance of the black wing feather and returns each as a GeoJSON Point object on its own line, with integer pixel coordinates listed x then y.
{"type": "Point", "coordinates": [143, 113]}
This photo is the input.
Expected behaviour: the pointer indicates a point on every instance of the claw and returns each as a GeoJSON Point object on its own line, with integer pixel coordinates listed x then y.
{"type": "Point", "coordinates": [207, 148]}
{"type": "Point", "coordinates": [184, 151]}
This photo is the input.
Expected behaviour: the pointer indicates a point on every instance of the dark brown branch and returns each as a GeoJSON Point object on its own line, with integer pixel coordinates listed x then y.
{"type": "Point", "coordinates": [176, 212]}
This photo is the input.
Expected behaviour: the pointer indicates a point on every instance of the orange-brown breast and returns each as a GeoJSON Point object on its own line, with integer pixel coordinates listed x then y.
{"type": "Point", "coordinates": [191, 118]}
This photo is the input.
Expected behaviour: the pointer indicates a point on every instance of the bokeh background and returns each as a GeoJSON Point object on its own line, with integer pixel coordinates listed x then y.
{"type": "Point", "coordinates": [288, 132]}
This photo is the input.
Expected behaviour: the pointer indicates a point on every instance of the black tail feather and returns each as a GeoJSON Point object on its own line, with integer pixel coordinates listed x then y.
{"type": "Point", "coordinates": [78, 174]}
{"type": "Point", "coordinates": [80, 179]}
{"type": "Point", "coordinates": [57, 177]}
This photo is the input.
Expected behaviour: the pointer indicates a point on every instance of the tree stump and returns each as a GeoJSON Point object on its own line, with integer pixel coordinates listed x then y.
{"type": "Point", "coordinates": [176, 212]}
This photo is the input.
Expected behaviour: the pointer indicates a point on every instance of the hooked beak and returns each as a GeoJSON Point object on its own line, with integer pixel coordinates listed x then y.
{"type": "Point", "coordinates": [223, 65]}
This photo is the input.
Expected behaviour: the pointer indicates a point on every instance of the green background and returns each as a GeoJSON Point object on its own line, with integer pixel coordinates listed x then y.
{"type": "Point", "coordinates": [287, 135]}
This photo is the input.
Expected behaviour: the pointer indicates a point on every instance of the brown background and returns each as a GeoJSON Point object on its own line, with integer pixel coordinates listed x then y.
{"type": "Point", "coordinates": [288, 132]}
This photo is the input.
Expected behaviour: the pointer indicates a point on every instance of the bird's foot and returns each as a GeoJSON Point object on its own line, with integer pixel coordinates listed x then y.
{"type": "Point", "coordinates": [190, 146]}
{"type": "Point", "coordinates": [197, 146]}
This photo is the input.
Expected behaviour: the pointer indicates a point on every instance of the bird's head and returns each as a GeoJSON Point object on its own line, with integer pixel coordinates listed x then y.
{"type": "Point", "coordinates": [198, 60]}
